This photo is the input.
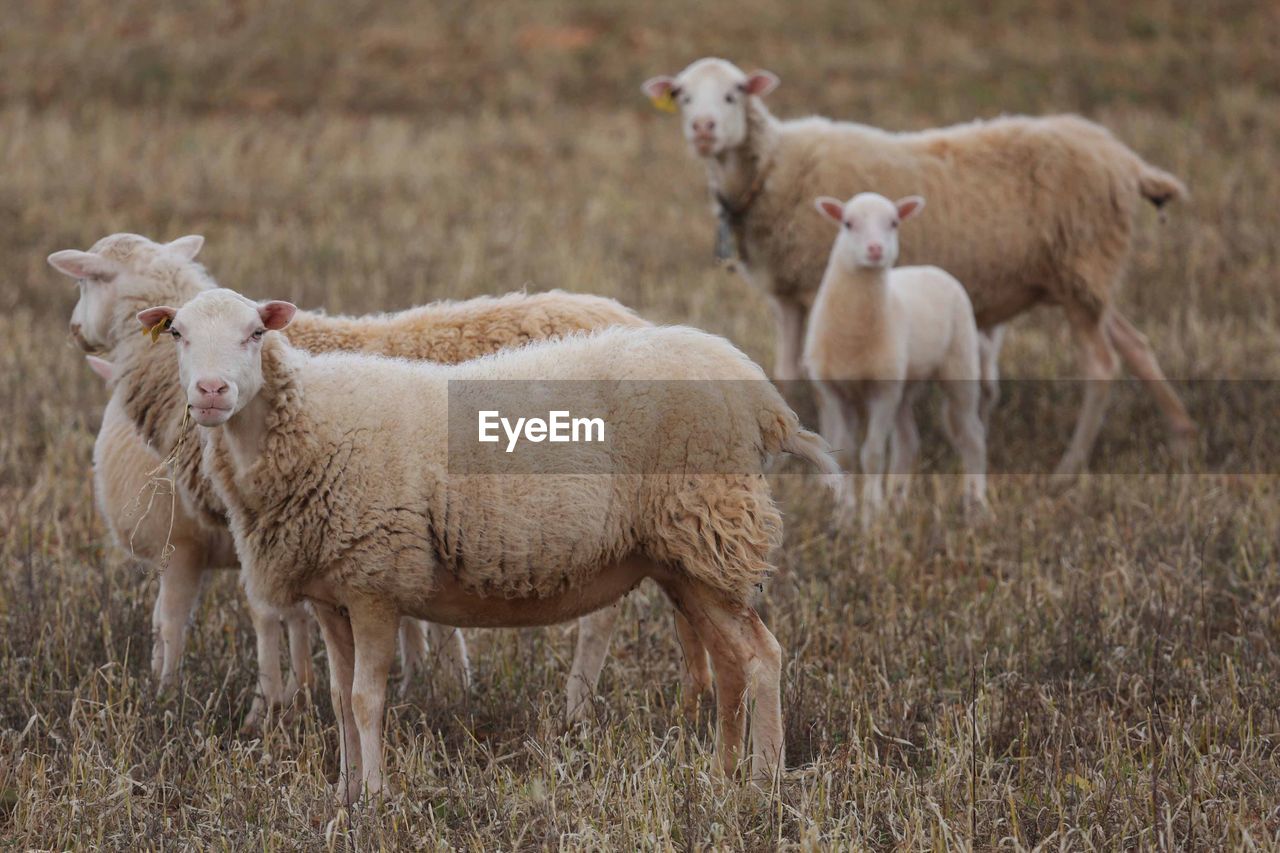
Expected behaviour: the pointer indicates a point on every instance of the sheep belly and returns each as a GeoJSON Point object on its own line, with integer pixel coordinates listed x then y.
{"type": "Point", "coordinates": [452, 603]}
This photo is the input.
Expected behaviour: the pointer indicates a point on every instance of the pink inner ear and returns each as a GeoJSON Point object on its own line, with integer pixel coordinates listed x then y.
{"type": "Point", "coordinates": [761, 83]}
{"type": "Point", "coordinates": [656, 87]}
{"type": "Point", "coordinates": [276, 314]}
{"type": "Point", "coordinates": [833, 210]}
{"type": "Point", "coordinates": [909, 207]}
{"type": "Point", "coordinates": [150, 317]}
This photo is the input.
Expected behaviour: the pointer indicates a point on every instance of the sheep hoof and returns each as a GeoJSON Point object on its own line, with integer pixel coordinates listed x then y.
{"type": "Point", "coordinates": [978, 513]}
{"type": "Point", "coordinates": [580, 713]}
{"type": "Point", "coordinates": [166, 686]}
{"type": "Point", "coordinates": [1066, 474]}
{"type": "Point", "coordinates": [346, 792]}
{"type": "Point", "coordinates": [254, 722]}
{"type": "Point", "coordinates": [1184, 441]}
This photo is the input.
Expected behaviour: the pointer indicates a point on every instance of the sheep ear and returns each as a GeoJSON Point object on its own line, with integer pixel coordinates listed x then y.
{"type": "Point", "coordinates": [276, 314]}
{"type": "Point", "coordinates": [761, 83]}
{"type": "Point", "coordinates": [188, 246]}
{"type": "Point", "coordinates": [153, 317]}
{"type": "Point", "coordinates": [909, 206]}
{"type": "Point", "coordinates": [656, 88]}
{"type": "Point", "coordinates": [832, 208]}
{"type": "Point", "coordinates": [79, 264]}
{"type": "Point", "coordinates": [102, 367]}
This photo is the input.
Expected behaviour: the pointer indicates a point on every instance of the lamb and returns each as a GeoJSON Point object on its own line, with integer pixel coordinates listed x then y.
{"type": "Point", "coordinates": [149, 523]}
{"type": "Point", "coordinates": [877, 333]}
{"type": "Point", "coordinates": [1060, 192]}
{"type": "Point", "coordinates": [125, 272]}
{"type": "Point", "coordinates": [366, 531]}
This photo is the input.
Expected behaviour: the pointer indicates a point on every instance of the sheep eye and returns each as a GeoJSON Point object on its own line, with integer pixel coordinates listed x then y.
{"type": "Point", "coordinates": [893, 224]}
{"type": "Point", "coordinates": [848, 226]}
{"type": "Point", "coordinates": [257, 336]}
{"type": "Point", "coordinates": [684, 99]}
{"type": "Point", "coordinates": [177, 336]}
{"type": "Point", "coordinates": [729, 98]}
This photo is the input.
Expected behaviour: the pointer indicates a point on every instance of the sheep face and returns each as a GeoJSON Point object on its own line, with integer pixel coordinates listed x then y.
{"type": "Point", "coordinates": [712, 97]}
{"type": "Point", "coordinates": [219, 335]}
{"type": "Point", "coordinates": [115, 267]}
{"type": "Point", "coordinates": [868, 236]}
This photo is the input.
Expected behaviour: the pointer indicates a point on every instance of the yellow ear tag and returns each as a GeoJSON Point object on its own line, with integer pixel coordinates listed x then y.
{"type": "Point", "coordinates": [156, 330]}
{"type": "Point", "coordinates": [664, 102]}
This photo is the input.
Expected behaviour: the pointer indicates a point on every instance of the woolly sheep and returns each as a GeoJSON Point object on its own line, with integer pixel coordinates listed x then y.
{"type": "Point", "coordinates": [876, 334]}
{"type": "Point", "coordinates": [150, 524]}
{"type": "Point", "coordinates": [123, 273]}
{"type": "Point", "coordinates": [368, 531]}
{"type": "Point", "coordinates": [1059, 193]}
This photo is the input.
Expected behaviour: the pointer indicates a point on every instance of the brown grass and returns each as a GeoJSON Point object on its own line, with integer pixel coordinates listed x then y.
{"type": "Point", "coordinates": [1094, 670]}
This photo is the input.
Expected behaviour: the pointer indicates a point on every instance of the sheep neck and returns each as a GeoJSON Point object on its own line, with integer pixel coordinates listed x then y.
{"type": "Point", "coordinates": [737, 175]}
{"type": "Point", "coordinates": [246, 433]}
{"type": "Point", "coordinates": [272, 409]}
{"type": "Point", "coordinates": [858, 297]}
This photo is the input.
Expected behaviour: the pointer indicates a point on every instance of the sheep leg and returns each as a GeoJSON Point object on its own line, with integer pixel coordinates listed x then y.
{"type": "Point", "coordinates": [964, 430]}
{"type": "Point", "coordinates": [180, 584]}
{"type": "Point", "coordinates": [1136, 352]}
{"type": "Point", "coordinates": [267, 630]}
{"type": "Point", "coordinates": [748, 667]}
{"type": "Point", "coordinates": [413, 651]}
{"type": "Point", "coordinates": [1098, 365]}
{"type": "Point", "coordinates": [834, 423]}
{"type": "Point", "coordinates": [374, 632]}
{"type": "Point", "coordinates": [450, 649]}
{"type": "Point", "coordinates": [903, 449]}
{"type": "Point", "coordinates": [990, 341]}
{"type": "Point", "coordinates": [595, 631]}
{"type": "Point", "coordinates": [339, 645]}
{"type": "Point", "coordinates": [882, 408]}
{"type": "Point", "coordinates": [697, 671]}
{"type": "Point", "coordinates": [302, 673]}
{"type": "Point", "coordinates": [790, 347]}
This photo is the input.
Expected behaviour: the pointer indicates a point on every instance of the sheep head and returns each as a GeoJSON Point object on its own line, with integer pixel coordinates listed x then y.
{"type": "Point", "coordinates": [218, 336]}
{"type": "Point", "coordinates": [868, 236]}
{"type": "Point", "coordinates": [712, 98]}
{"type": "Point", "coordinates": [117, 266]}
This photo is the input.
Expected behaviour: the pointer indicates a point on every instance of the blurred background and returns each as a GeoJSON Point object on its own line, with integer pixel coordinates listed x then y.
{"type": "Point", "coordinates": [1097, 668]}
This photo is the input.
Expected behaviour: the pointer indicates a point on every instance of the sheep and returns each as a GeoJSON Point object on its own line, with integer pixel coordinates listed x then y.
{"type": "Point", "coordinates": [877, 333]}
{"type": "Point", "coordinates": [125, 272]}
{"type": "Point", "coordinates": [1060, 194]}
{"type": "Point", "coordinates": [151, 525]}
{"type": "Point", "coordinates": [371, 528]}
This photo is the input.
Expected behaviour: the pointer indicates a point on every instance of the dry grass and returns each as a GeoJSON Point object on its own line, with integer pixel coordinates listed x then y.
{"type": "Point", "coordinates": [1092, 670]}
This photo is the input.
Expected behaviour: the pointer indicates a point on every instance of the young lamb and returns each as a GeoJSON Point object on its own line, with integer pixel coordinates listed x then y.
{"type": "Point", "coordinates": [123, 273]}
{"type": "Point", "coordinates": [370, 530]}
{"type": "Point", "coordinates": [876, 334]}
{"type": "Point", "coordinates": [1061, 192]}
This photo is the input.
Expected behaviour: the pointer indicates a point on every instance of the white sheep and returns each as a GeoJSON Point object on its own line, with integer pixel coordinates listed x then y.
{"type": "Point", "coordinates": [1060, 194]}
{"type": "Point", "coordinates": [146, 521]}
{"type": "Point", "coordinates": [346, 488]}
{"type": "Point", "coordinates": [123, 273]}
{"type": "Point", "coordinates": [877, 334]}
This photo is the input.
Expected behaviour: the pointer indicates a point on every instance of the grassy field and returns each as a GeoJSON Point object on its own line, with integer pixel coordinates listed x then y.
{"type": "Point", "coordinates": [1095, 669]}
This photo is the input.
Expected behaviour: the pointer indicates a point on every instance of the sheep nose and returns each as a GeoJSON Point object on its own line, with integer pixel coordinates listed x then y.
{"type": "Point", "coordinates": [704, 125]}
{"type": "Point", "coordinates": [875, 250]}
{"type": "Point", "coordinates": [211, 387]}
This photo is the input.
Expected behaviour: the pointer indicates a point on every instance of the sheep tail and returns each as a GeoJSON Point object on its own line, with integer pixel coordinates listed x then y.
{"type": "Point", "coordinates": [1158, 186]}
{"type": "Point", "coordinates": [810, 446]}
